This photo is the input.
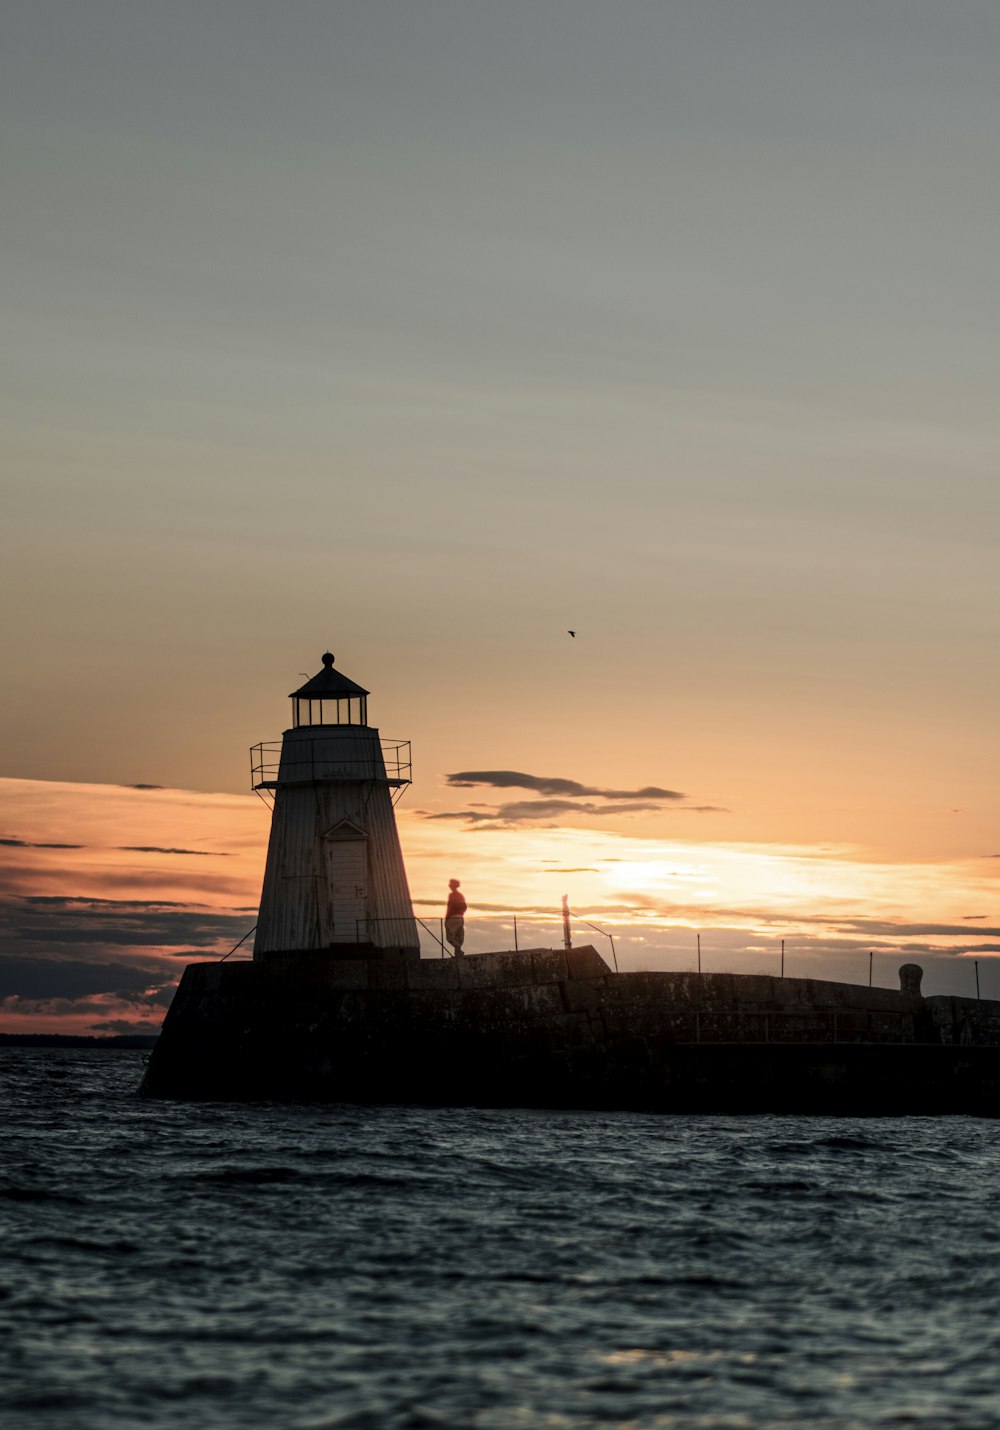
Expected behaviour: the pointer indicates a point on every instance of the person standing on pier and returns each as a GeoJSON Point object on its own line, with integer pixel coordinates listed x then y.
{"type": "Point", "coordinates": [454, 919]}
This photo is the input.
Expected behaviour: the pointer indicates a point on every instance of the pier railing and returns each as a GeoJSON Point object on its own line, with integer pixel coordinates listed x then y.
{"type": "Point", "coordinates": [483, 935]}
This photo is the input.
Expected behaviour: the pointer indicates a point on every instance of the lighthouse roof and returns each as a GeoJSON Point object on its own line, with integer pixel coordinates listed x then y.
{"type": "Point", "coordinates": [329, 683]}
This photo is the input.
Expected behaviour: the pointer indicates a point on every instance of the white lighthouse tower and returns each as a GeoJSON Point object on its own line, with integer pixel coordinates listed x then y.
{"type": "Point", "coordinates": [334, 883]}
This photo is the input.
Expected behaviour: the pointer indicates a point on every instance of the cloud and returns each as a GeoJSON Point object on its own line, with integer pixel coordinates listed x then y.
{"type": "Point", "coordinates": [916, 930]}
{"type": "Point", "coordinates": [68, 900]}
{"type": "Point", "coordinates": [562, 797]}
{"type": "Point", "coordinates": [850, 928]}
{"type": "Point", "coordinates": [31, 844]}
{"type": "Point", "coordinates": [156, 849]}
{"type": "Point", "coordinates": [64, 923]}
{"type": "Point", "coordinates": [152, 998]}
{"type": "Point", "coordinates": [14, 843]}
{"type": "Point", "coordinates": [529, 809]}
{"type": "Point", "coordinates": [468, 816]}
{"type": "Point", "coordinates": [15, 878]}
{"type": "Point", "coordinates": [138, 1013]}
{"type": "Point", "coordinates": [506, 816]}
{"type": "Point", "coordinates": [552, 785]}
{"type": "Point", "coordinates": [29, 977]}
{"type": "Point", "coordinates": [139, 893]}
{"type": "Point", "coordinates": [117, 1027]}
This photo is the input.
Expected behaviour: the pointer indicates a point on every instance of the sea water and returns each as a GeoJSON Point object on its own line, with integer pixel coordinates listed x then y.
{"type": "Point", "coordinates": [307, 1266]}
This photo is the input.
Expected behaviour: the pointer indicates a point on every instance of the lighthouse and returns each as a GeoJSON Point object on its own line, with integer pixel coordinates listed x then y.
{"type": "Point", "coordinates": [337, 1005]}
{"type": "Point", "coordinates": [334, 883]}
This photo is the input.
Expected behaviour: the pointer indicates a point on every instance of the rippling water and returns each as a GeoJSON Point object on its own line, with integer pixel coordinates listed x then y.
{"type": "Point", "coordinates": [302, 1266]}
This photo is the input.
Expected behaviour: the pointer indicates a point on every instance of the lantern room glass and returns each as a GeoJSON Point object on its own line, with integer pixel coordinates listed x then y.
{"type": "Point", "coordinates": [330, 710]}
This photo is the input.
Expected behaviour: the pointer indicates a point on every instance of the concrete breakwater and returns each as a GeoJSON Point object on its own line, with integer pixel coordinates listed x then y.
{"type": "Point", "coordinates": [550, 1028]}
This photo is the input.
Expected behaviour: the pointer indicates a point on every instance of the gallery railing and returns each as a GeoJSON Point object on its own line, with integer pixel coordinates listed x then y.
{"type": "Point", "coordinates": [396, 765]}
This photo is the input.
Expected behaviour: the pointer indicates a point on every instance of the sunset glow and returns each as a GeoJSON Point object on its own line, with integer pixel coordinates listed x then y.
{"type": "Point", "coordinates": [144, 880]}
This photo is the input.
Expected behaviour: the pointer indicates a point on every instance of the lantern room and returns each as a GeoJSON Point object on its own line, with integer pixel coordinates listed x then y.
{"type": "Point", "coordinates": [329, 699]}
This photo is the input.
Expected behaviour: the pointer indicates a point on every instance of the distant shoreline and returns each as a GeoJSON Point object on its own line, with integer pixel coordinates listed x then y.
{"type": "Point", "coordinates": [71, 1040]}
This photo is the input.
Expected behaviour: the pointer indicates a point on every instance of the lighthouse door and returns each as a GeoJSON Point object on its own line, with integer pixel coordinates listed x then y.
{"type": "Point", "coordinates": [347, 883]}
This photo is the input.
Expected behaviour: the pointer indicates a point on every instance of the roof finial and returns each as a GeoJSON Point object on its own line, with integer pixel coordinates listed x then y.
{"type": "Point", "coordinates": [328, 660]}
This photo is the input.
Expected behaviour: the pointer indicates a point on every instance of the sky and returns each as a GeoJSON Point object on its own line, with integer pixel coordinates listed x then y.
{"type": "Point", "coordinates": [426, 332]}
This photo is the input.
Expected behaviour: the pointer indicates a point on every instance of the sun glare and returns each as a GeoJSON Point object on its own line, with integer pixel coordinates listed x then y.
{"type": "Point", "coordinates": [639, 873]}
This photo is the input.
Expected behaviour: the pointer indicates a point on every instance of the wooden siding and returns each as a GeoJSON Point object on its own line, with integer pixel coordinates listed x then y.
{"type": "Point", "coordinates": [327, 783]}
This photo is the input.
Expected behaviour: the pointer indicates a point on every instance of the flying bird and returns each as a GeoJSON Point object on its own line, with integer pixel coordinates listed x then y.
{"type": "Point", "coordinates": [571, 633]}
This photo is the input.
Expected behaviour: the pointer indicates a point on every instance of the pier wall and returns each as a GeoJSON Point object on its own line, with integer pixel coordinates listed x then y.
{"type": "Point", "coordinates": [545, 1027]}
{"type": "Point", "coordinates": [965, 1022]}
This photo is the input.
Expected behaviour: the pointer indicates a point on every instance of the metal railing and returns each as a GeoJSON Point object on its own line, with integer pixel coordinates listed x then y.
{"type": "Point", "coordinates": [487, 934]}
{"type": "Point", "coordinates": [484, 935]}
{"type": "Point", "coordinates": [239, 945]}
{"type": "Point", "coordinates": [395, 932]}
{"type": "Point", "coordinates": [265, 761]}
{"type": "Point", "coordinates": [603, 932]}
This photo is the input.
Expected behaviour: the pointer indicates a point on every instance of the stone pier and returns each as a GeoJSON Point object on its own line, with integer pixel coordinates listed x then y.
{"type": "Point", "coordinates": [547, 1028]}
